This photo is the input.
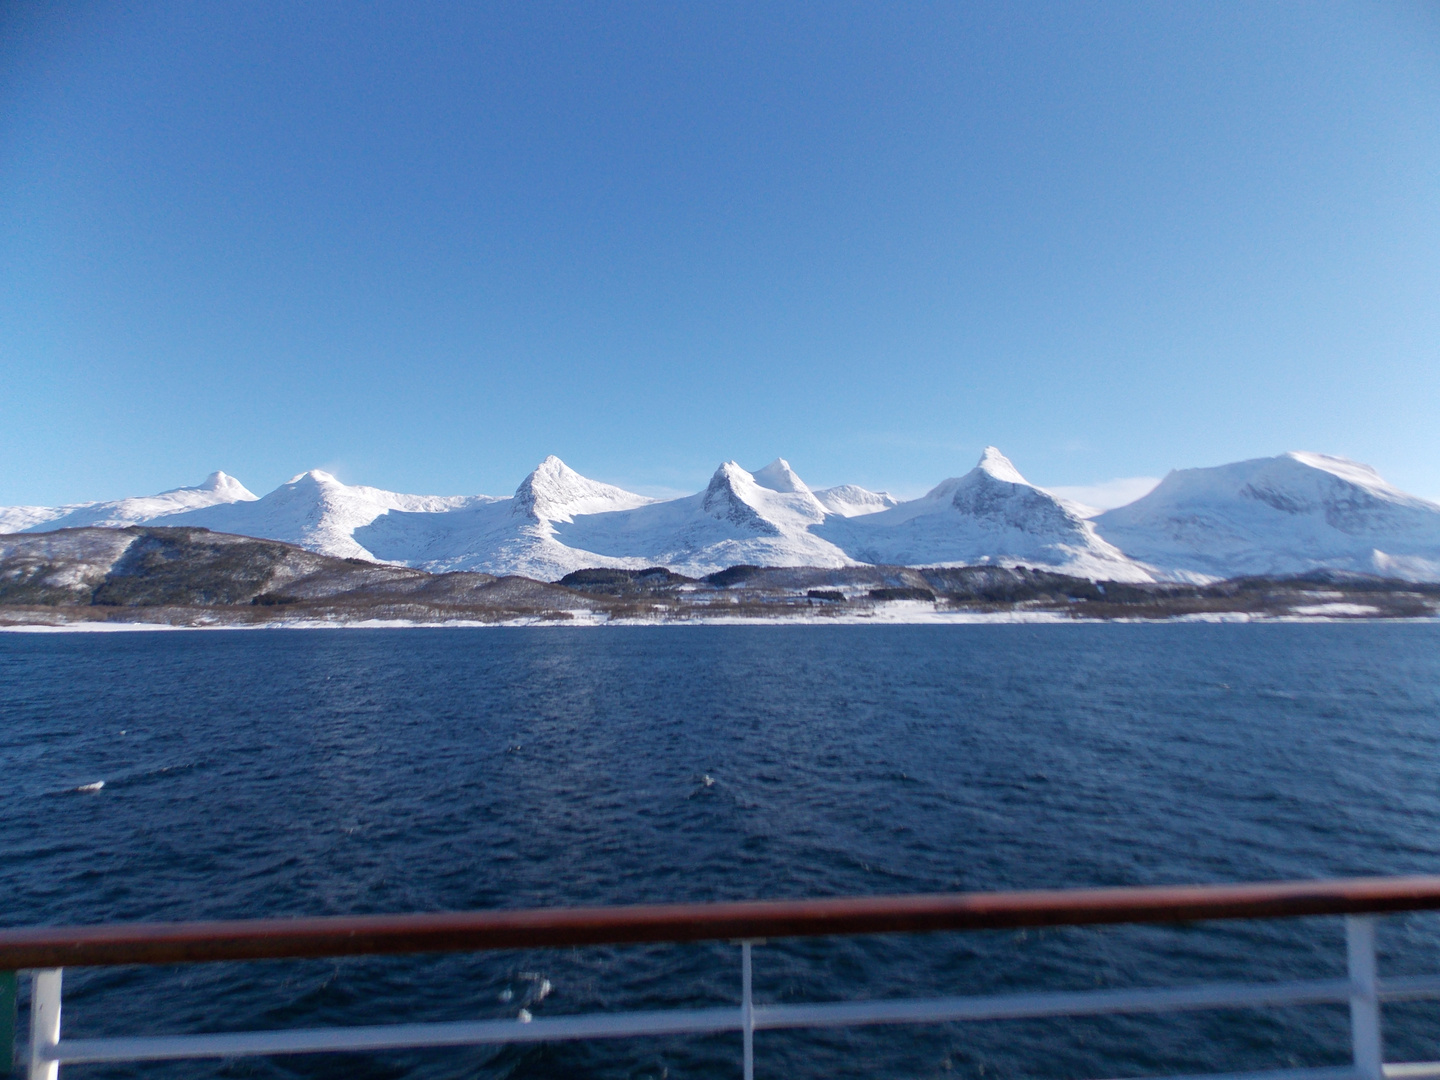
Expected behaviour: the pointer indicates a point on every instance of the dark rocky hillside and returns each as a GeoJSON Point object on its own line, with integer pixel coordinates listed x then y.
{"type": "Point", "coordinates": [172, 572]}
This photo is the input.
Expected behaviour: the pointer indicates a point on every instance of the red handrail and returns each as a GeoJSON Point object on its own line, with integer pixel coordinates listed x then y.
{"type": "Point", "coordinates": [355, 935]}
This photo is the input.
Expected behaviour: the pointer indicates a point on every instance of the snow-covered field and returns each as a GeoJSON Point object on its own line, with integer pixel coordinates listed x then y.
{"type": "Point", "coordinates": [1290, 514]}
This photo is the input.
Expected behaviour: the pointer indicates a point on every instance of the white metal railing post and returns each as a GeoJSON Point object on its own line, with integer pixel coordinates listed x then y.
{"type": "Point", "coordinates": [44, 1023]}
{"type": "Point", "coordinates": [747, 1011]}
{"type": "Point", "coordinates": [1364, 996]}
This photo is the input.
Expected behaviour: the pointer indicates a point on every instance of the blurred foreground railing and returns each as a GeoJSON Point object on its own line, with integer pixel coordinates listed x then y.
{"type": "Point", "coordinates": [46, 951]}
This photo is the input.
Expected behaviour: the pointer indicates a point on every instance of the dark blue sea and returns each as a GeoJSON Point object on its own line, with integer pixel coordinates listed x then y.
{"type": "Point", "coordinates": [327, 772]}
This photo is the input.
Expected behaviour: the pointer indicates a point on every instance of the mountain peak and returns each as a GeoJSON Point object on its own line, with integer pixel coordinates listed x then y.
{"type": "Point", "coordinates": [778, 476]}
{"type": "Point", "coordinates": [727, 477]}
{"type": "Point", "coordinates": [992, 466]}
{"type": "Point", "coordinates": [995, 464]}
{"type": "Point", "coordinates": [224, 484]}
{"type": "Point", "coordinates": [1294, 513]}
{"type": "Point", "coordinates": [992, 514]}
{"type": "Point", "coordinates": [555, 492]}
{"type": "Point", "coordinates": [724, 498]}
{"type": "Point", "coordinates": [314, 476]}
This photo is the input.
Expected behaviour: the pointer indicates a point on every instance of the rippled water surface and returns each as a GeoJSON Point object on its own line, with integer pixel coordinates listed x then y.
{"type": "Point", "coordinates": [320, 772]}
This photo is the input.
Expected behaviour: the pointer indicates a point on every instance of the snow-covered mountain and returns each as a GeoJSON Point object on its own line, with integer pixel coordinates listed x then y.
{"type": "Point", "coordinates": [851, 500]}
{"type": "Point", "coordinates": [992, 514]}
{"type": "Point", "coordinates": [217, 489]}
{"type": "Point", "coordinates": [559, 521]}
{"type": "Point", "coordinates": [507, 536]}
{"type": "Point", "coordinates": [1287, 514]}
{"type": "Point", "coordinates": [316, 511]}
{"type": "Point", "coordinates": [763, 518]}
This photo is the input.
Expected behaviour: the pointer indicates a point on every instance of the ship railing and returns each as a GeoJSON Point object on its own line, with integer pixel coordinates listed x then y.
{"type": "Point", "coordinates": [44, 952]}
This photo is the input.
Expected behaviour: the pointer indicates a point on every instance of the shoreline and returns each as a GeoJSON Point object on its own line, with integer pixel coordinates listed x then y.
{"type": "Point", "coordinates": [178, 578]}
{"type": "Point", "coordinates": [600, 621]}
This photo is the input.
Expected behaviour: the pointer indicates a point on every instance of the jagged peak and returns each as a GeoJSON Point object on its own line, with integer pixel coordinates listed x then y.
{"type": "Point", "coordinates": [734, 477]}
{"type": "Point", "coordinates": [723, 498]}
{"type": "Point", "coordinates": [995, 464]}
{"type": "Point", "coordinates": [995, 487]}
{"type": "Point", "coordinates": [779, 476]}
{"type": "Point", "coordinates": [551, 480]}
{"type": "Point", "coordinates": [728, 474]}
{"type": "Point", "coordinates": [554, 491]}
{"type": "Point", "coordinates": [992, 466]}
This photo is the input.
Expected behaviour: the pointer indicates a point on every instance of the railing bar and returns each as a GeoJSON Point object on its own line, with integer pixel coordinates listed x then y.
{"type": "Point", "coordinates": [1079, 1003]}
{"type": "Point", "coordinates": [474, 931]}
{"type": "Point", "coordinates": [1412, 1070]}
{"type": "Point", "coordinates": [1409, 987]}
{"type": "Point", "coordinates": [1321, 1072]}
{"type": "Point", "coordinates": [693, 1021]}
{"type": "Point", "coordinates": [397, 1036]}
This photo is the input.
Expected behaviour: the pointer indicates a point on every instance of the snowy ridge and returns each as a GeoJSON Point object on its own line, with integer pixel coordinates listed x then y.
{"type": "Point", "coordinates": [217, 489]}
{"type": "Point", "coordinates": [315, 511]}
{"type": "Point", "coordinates": [992, 514]}
{"type": "Point", "coordinates": [507, 536]}
{"type": "Point", "coordinates": [1289, 514]}
{"type": "Point", "coordinates": [764, 518]}
{"type": "Point", "coordinates": [851, 500]}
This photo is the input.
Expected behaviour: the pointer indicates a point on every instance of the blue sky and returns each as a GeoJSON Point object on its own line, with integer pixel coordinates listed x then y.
{"type": "Point", "coordinates": [424, 245]}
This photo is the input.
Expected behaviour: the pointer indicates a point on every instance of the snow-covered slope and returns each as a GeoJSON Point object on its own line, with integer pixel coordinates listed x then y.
{"type": "Point", "coordinates": [218, 489]}
{"type": "Point", "coordinates": [506, 536]}
{"type": "Point", "coordinates": [765, 518]}
{"type": "Point", "coordinates": [16, 519]}
{"type": "Point", "coordinates": [851, 500]}
{"type": "Point", "coordinates": [317, 511]}
{"type": "Point", "coordinates": [992, 514]}
{"type": "Point", "coordinates": [1286, 514]}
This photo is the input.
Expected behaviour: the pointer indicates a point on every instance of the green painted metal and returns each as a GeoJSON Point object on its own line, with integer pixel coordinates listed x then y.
{"type": "Point", "coordinates": [8, 987]}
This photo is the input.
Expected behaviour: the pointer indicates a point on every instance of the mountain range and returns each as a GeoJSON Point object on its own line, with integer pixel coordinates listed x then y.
{"type": "Point", "coordinates": [1292, 514]}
